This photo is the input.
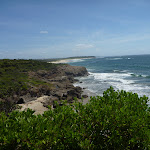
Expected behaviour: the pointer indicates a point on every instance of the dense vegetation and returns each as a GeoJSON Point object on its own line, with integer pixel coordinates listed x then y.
{"type": "Point", "coordinates": [118, 120]}
{"type": "Point", "coordinates": [14, 75]}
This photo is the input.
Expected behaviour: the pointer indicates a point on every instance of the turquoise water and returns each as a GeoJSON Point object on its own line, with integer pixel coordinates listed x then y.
{"type": "Point", "coordinates": [130, 73]}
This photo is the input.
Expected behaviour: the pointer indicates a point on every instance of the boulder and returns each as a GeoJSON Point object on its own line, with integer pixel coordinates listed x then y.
{"type": "Point", "coordinates": [58, 94]}
{"type": "Point", "coordinates": [74, 71]}
{"type": "Point", "coordinates": [50, 101]}
{"type": "Point", "coordinates": [21, 101]}
{"type": "Point", "coordinates": [75, 92]}
{"type": "Point", "coordinates": [84, 96]}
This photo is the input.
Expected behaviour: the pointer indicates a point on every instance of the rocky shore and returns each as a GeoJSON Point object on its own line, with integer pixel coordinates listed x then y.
{"type": "Point", "coordinates": [61, 80]}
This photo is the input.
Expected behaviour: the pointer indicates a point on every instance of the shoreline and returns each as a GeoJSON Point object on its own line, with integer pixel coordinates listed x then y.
{"type": "Point", "coordinates": [38, 104]}
{"type": "Point", "coordinates": [89, 94]}
{"type": "Point", "coordinates": [68, 60]}
{"type": "Point", "coordinates": [61, 61]}
{"type": "Point", "coordinates": [62, 78]}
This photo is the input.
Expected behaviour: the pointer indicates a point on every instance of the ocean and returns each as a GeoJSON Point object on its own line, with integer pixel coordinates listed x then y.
{"type": "Point", "coordinates": [130, 73]}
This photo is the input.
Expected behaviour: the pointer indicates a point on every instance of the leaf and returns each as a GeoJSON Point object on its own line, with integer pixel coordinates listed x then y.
{"type": "Point", "coordinates": [18, 140]}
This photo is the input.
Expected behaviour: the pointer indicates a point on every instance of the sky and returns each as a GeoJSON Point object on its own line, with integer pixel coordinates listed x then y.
{"type": "Point", "coordinates": [33, 29]}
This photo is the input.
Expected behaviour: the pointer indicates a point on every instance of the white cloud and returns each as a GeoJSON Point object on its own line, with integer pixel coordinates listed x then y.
{"type": "Point", "coordinates": [84, 46]}
{"type": "Point", "coordinates": [44, 32]}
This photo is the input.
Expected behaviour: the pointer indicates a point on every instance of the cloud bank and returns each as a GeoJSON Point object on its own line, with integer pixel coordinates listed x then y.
{"type": "Point", "coordinates": [44, 32]}
{"type": "Point", "coordinates": [84, 46]}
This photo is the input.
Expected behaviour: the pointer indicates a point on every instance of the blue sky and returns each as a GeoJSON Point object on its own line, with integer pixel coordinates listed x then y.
{"type": "Point", "coordinates": [64, 28]}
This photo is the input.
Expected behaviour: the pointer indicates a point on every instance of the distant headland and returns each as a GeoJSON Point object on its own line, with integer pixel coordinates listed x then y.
{"type": "Point", "coordinates": [67, 59]}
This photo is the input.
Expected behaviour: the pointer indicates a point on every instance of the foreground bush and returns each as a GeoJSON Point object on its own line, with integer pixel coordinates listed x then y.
{"type": "Point", "coordinates": [116, 121]}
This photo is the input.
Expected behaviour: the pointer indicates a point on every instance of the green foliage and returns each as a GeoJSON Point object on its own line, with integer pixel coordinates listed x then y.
{"type": "Point", "coordinates": [37, 82]}
{"type": "Point", "coordinates": [117, 120]}
{"type": "Point", "coordinates": [14, 75]}
{"type": "Point", "coordinates": [7, 106]}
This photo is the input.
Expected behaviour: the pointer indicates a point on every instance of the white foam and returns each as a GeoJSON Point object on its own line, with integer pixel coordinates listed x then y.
{"type": "Point", "coordinates": [99, 82]}
{"type": "Point", "coordinates": [124, 71]}
{"type": "Point", "coordinates": [114, 58]}
{"type": "Point", "coordinates": [119, 77]}
{"type": "Point", "coordinates": [145, 76]}
{"type": "Point", "coordinates": [75, 60]}
{"type": "Point", "coordinates": [121, 71]}
{"type": "Point", "coordinates": [121, 81]}
{"type": "Point", "coordinates": [116, 70]}
{"type": "Point", "coordinates": [114, 79]}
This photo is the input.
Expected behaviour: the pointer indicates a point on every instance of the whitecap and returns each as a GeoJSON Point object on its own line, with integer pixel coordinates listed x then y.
{"type": "Point", "coordinates": [114, 58]}
{"type": "Point", "coordinates": [75, 60]}
{"type": "Point", "coordinates": [121, 81]}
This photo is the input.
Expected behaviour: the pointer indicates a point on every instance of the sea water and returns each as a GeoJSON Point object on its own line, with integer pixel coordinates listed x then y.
{"type": "Point", "coordinates": [130, 73]}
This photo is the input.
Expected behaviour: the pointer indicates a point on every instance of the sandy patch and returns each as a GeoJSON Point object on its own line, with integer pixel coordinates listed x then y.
{"type": "Point", "coordinates": [36, 105]}
{"type": "Point", "coordinates": [61, 61]}
{"type": "Point", "coordinates": [68, 60]}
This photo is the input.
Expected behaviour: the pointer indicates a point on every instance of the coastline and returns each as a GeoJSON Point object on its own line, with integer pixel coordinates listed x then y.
{"type": "Point", "coordinates": [39, 107]}
{"type": "Point", "coordinates": [62, 79]}
{"type": "Point", "coordinates": [61, 61]}
{"type": "Point", "coordinates": [68, 60]}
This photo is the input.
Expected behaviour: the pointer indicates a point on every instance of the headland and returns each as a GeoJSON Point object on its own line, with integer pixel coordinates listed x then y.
{"type": "Point", "coordinates": [68, 59]}
{"type": "Point", "coordinates": [37, 84]}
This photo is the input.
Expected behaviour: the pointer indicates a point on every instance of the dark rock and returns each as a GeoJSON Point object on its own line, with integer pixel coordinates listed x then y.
{"type": "Point", "coordinates": [21, 101]}
{"type": "Point", "coordinates": [58, 94]}
{"type": "Point", "coordinates": [78, 89]}
{"type": "Point", "coordinates": [60, 104]}
{"type": "Point", "coordinates": [34, 92]}
{"type": "Point", "coordinates": [48, 92]}
{"type": "Point", "coordinates": [76, 80]}
{"type": "Point", "coordinates": [67, 70]}
{"type": "Point", "coordinates": [75, 71]}
{"type": "Point", "coordinates": [54, 106]}
{"type": "Point", "coordinates": [50, 101]}
{"type": "Point", "coordinates": [84, 96]}
{"type": "Point", "coordinates": [64, 94]}
{"type": "Point", "coordinates": [75, 92]}
{"type": "Point", "coordinates": [27, 97]}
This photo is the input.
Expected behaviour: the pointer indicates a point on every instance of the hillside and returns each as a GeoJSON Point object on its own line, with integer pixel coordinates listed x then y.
{"type": "Point", "coordinates": [22, 81]}
{"type": "Point", "coordinates": [117, 120]}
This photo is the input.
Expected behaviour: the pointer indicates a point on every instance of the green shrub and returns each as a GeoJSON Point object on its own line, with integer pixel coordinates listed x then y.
{"type": "Point", "coordinates": [118, 120]}
{"type": "Point", "coordinates": [7, 107]}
